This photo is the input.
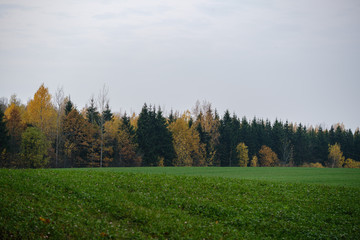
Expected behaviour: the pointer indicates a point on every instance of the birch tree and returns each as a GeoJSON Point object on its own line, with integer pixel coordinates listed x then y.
{"type": "Point", "coordinates": [102, 102]}
{"type": "Point", "coordinates": [60, 106]}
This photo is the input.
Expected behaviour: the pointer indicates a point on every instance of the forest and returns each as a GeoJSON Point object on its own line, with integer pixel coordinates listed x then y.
{"type": "Point", "coordinates": [49, 131]}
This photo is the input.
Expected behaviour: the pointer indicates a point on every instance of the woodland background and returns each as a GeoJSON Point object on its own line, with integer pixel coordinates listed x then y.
{"type": "Point", "coordinates": [49, 131]}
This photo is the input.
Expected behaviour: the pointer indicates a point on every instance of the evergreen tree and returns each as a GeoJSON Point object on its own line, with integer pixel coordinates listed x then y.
{"type": "Point", "coordinates": [277, 137]}
{"type": "Point", "coordinates": [339, 136]}
{"type": "Point", "coordinates": [248, 135]}
{"type": "Point", "coordinates": [357, 145]}
{"type": "Point", "coordinates": [3, 133]}
{"type": "Point", "coordinates": [311, 139]}
{"type": "Point", "coordinates": [348, 143]}
{"type": "Point", "coordinates": [332, 136]}
{"type": "Point", "coordinates": [165, 141]}
{"type": "Point", "coordinates": [191, 122]}
{"type": "Point", "coordinates": [301, 151]}
{"type": "Point", "coordinates": [15, 128]}
{"type": "Point", "coordinates": [228, 140]}
{"type": "Point", "coordinates": [267, 134]}
{"type": "Point", "coordinates": [204, 139]}
{"type": "Point", "coordinates": [126, 126]}
{"type": "Point", "coordinates": [92, 114]}
{"type": "Point", "coordinates": [145, 137]}
{"type": "Point", "coordinates": [254, 135]}
{"type": "Point", "coordinates": [80, 141]}
{"type": "Point", "coordinates": [107, 114]}
{"type": "Point", "coordinates": [154, 138]}
{"type": "Point", "coordinates": [172, 117]}
{"type": "Point", "coordinates": [69, 106]}
{"type": "Point", "coordinates": [321, 146]}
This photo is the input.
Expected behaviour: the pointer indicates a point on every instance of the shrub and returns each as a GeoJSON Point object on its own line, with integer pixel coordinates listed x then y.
{"type": "Point", "coordinates": [350, 163]}
{"type": "Point", "coordinates": [313, 165]}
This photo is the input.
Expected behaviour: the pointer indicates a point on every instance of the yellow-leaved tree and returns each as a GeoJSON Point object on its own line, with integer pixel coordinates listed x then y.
{"type": "Point", "coordinates": [254, 161]}
{"type": "Point", "coordinates": [186, 141]}
{"type": "Point", "coordinates": [242, 154]}
{"type": "Point", "coordinates": [41, 113]}
{"type": "Point", "coordinates": [207, 124]}
{"type": "Point", "coordinates": [267, 157]}
{"type": "Point", "coordinates": [335, 157]}
{"type": "Point", "coordinates": [119, 145]}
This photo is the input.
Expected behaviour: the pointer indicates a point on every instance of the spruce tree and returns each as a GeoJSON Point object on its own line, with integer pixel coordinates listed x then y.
{"type": "Point", "coordinates": [126, 125]}
{"type": "Point", "coordinates": [154, 138]}
{"type": "Point", "coordinates": [321, 147]}
{"type": "Point", "coordinates": [357, 145]}
{"type": "Point", "coordinates": [165, 142]}
{"type": "Point", "coordinates": [277, 136]}
{"type": "Point", "coordinates": [69, 106]}
{"type": "Point", "coordinates": [107, 114]}
{"type": "Point", "coordinates": [229, 137]}
{"type": "Point", "coordinates": [3, 133]}
{"type": "Point", "coordinates": [92, 114]}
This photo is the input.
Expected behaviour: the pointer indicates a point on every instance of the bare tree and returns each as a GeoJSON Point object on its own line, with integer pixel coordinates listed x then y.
{"type": "Point", "coordinates": [60, 104]}
{"type": "Point", "coordinates": [102, 101]}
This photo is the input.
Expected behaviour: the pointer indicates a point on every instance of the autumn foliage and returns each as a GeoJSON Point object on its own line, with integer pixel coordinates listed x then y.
{"type": "Point", "coordinates": [50, 131]}
{"type": "Point", "coordinates": [267, 157]}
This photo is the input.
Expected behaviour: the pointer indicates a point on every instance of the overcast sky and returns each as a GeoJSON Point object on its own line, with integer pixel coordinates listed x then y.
{"type": "Point", "coordinates": [294, 60]}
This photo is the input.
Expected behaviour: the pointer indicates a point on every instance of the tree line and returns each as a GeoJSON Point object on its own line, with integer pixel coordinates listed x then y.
{"type": "Point", "coordinates": [49, 131]}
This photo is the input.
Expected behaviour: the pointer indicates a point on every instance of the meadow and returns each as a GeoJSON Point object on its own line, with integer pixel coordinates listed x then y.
{"type": "Point", "coordinates": [180, 203]}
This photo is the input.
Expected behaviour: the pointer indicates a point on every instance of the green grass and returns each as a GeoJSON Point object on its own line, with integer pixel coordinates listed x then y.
{"type": "Point", "coordinates": [328, 176]}
{"type": "Point", "coordinates": [115, 204]}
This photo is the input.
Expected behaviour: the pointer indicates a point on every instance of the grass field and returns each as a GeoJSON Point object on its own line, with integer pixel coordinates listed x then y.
{"type": "Point", "coordinates": [328, 176]}
{"type": "Point", "coordinates": [180, 203]}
